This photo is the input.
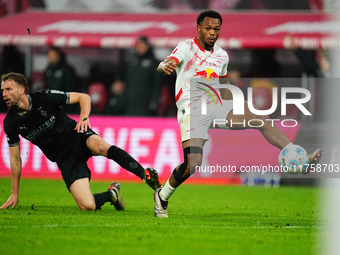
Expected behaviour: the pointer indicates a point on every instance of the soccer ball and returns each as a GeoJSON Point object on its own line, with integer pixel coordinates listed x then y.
{"type": "Point", "coordinates": [293, 159]}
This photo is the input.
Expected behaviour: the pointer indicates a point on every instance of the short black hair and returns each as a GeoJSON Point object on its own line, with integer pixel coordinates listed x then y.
{"type": "Point", "coordinates": [18, 78]}
{"type": "Point", "coordinates": [210, 14]}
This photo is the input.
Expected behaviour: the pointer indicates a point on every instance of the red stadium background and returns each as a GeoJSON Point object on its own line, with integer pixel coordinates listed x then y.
{"type": "Point", "coordinates": [154, 142]}
{"type": "Point", "coordinates": [120, 30]}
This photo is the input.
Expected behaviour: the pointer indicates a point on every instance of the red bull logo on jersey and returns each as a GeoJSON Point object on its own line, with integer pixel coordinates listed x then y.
{"type": "Point", "coordinates": [207, 74]}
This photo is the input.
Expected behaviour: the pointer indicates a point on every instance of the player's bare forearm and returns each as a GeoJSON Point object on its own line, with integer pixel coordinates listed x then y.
{"type": "Point", "coordinates": [167, 66]}
{"type": "Point", "coordinates": [85, 106]}
{"type": "Point", "coordinates": [15, 163]}
{"type": "Point", "coordinates": [15, 177]}
{"type": "Point", "coordinates": [84, 101]}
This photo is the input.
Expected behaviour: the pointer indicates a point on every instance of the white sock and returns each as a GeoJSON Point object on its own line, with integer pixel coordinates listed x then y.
{"type": "Point", "coordinates": [166, 191]}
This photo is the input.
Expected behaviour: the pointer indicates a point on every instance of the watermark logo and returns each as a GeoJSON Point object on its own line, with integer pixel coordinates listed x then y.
{"type": "Point", "coordinates": [211, 94]}
{"type": "Point", "coordinates": [239, 99]}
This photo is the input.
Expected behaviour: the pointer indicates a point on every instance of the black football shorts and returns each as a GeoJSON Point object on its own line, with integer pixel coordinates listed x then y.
{"type": "Point", "coordinates": [72, 160]}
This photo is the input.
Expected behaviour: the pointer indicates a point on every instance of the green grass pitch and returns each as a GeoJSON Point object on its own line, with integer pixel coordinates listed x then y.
{"type": "Point", "coordinates": [202, 220]}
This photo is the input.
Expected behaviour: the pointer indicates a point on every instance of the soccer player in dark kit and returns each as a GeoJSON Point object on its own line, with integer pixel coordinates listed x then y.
{"type": "Point", "coordinates": [39, 117]}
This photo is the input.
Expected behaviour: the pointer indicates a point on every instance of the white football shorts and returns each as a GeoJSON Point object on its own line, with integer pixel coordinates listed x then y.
{"type": "Point", "coordinates": [194, 123]}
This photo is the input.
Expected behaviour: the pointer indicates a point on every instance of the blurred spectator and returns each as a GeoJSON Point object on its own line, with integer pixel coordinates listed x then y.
{"type": "Point", "coordinates": [145, 6]}
{"type": "Point", "coordinates": [263, 69]}
{"type": "Point", "coordinates": [98, 93]}
{"type": "Point", "coordinates": [172, 4]}
{"type": "Point", "coordinates": [101, 75]}
{"type": "Point", "coordinates": [13, 6]}
{"type": "Point", "coordinates": [314, 63]}
{"type": "Point", "coordinates": [116, 105]}
{"type": "Point", "coordinates": [273, 5]}
{"type": "Point", "coordinates": [317, 4]}
{"type": "Point", "coordinates": [223, 4]}
{"type": "Point", "coordinates": [12, 60]}
{"type": "Point", "coordinates": [324, 63]}
{"type": "Point", "coordinates": [167, 105]}
{"type": "Point", "coordinates": [264, 64]}
{"type": "Point", "coordinates": [182, 4]}
{"type": "Point", "coordinates": [235, 77]}
{"type": "Point", "coordinates": [59, 74]}
{"type": "Point", "coordinates": [142, 81]}
{"type": "Point", "coordinates": [37, 3]}
{"type": "Point", "coordinates": [103, 72]}
{"type": "Point", "coordinates": [199, 4]}
{"type": "Point", "coordinates": [286, 5]}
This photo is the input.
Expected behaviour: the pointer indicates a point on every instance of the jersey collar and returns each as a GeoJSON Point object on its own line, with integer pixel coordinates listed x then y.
{"type": "Point", "coordinates": [196, 42]}
{"type": "Point", "coordinates": [29, 108]}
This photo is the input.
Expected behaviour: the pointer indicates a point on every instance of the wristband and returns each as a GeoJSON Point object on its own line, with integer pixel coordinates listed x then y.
{"type": "Point", "coordinates": [86, 118]}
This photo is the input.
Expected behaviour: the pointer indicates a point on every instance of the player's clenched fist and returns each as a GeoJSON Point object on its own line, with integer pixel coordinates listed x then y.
{"type": "Point", "coordinates": [167, 66]}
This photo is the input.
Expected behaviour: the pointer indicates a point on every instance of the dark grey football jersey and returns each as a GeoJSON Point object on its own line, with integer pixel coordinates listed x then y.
{"type": "Point", "coordinates": [45, 122]}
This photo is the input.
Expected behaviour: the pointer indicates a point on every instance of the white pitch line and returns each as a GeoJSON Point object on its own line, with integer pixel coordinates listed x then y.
{"type": "Point", "coordinates": [187, 226]}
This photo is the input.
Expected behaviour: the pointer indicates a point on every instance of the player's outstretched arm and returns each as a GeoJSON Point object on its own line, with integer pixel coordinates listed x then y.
{"type": "Point", "coordinates": [167, 66]}
{"type": "Point", "coordinates": [84, 101]}
{"type": "Point", "coordinates": [15, 162]}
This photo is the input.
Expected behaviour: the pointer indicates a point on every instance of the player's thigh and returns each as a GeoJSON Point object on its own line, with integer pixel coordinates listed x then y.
{"type": "Point", "coordinates": [246, 120]}
{"type": "Point", "coordinates": [81, 192]}
{"type": "Point", "coordinates": [97, 145]}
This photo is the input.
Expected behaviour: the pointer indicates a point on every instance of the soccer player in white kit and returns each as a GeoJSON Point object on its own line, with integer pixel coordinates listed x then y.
{"type": "Point", "coordinates": [200, 57]}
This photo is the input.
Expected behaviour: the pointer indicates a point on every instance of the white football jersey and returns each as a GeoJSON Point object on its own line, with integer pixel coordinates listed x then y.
{"type": "Point", "coordinates": [194, 62]}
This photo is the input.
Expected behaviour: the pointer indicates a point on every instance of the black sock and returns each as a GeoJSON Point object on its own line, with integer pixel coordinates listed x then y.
{"type": "Point", "coordinates": [102, 198]}
{"type": "Point", "coordinates": [125, 161]}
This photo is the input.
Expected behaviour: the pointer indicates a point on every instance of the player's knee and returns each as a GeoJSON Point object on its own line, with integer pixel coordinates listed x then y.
{"type": "Point", "coordinates": [103, 147]}
{"type": "Point", "coordinates": [97, 145]}
{"type": "Point", "coordinates": [194, 161]}
{"type": "Point", "coordinates": [87, 205]}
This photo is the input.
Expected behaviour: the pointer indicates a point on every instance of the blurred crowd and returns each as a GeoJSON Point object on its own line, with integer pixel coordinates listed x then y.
{"type": "Point", "coordinates": [237, 4]}
{"type": "Point", "coordinates": [9, 7]}
{"type": "Point", "coordinates": [129, 85]}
